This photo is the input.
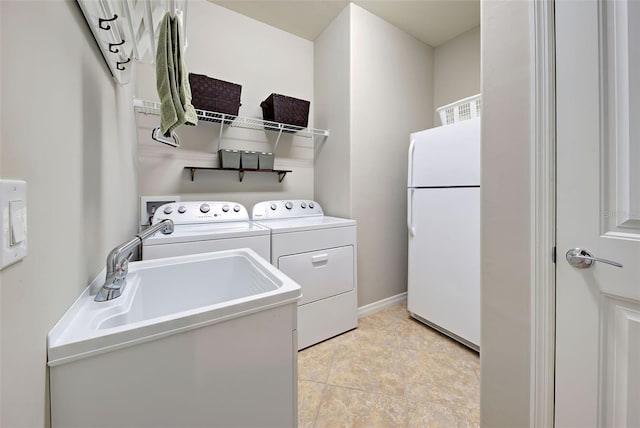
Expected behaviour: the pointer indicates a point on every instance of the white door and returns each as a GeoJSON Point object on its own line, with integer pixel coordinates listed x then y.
{"type": "Point", "coordinates": [598, 210]}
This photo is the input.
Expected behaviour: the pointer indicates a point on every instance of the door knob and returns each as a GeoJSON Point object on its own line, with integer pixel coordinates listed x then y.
{"type": "Point", "coordinates": [582, 259]}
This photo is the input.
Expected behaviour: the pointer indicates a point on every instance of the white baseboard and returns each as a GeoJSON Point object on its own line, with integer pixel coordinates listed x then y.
{"type": "Point", "coordinates": [374, 307]}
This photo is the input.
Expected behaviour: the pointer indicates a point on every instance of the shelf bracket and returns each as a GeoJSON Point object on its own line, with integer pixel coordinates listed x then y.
{"type": "Point", "coordinates": [224, 116]}
{"type": "Point", "coordinates": [281, 175]}
{"type": "Point", "coordinates": [275, 146]}
{"type": "Point", "coordinates": [318, 143]}
{"type": "Point", "coordinates": [241, 174]}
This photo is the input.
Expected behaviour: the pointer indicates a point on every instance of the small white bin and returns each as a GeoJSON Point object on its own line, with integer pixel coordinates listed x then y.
{"type": "Point", "coordinates": [466, 108]}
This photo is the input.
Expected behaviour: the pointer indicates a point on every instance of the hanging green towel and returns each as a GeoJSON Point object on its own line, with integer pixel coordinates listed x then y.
{"type": "Point", "coordinates": [172, 80]}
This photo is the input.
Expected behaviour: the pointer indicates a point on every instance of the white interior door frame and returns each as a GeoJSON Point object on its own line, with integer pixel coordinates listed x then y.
{"type": "Point", "coordinates": [543, 224]}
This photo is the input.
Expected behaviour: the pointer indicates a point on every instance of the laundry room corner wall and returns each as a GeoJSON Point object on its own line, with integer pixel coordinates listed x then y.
{"type": "Point", "coordinates": [229, 46]}
{"type": "Point", "coordinates": [67, 129]}
{"type": "Point", "coordinates": [363, 175]}
{"type": "Point", "coordinates": [332, 89]}
{"type": "Point", "coordinates": [391, 96]}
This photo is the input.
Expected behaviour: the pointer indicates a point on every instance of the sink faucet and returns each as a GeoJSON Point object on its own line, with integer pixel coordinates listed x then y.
{"type": "Point", "coordinates": [118, 261]}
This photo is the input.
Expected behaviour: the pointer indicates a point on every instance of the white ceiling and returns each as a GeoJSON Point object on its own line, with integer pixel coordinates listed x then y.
{"type": "Point", "coordinates": [431, 21]}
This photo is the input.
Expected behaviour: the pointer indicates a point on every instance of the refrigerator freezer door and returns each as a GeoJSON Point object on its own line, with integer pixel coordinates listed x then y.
{"type": "Point", "coordinates": [446, 155]}
{"type": "Point", "coordinates": [444, 260]}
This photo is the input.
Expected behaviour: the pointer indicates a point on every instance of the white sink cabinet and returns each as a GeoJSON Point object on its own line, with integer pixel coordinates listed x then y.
{"type": "Point", "coordinates": [194, 341]}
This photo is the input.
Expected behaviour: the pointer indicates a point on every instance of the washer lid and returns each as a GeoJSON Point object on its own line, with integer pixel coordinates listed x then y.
{"type": "Point", "coordinates": [209, 231]}
{"type": "Point", "coordinates": [306, 223]}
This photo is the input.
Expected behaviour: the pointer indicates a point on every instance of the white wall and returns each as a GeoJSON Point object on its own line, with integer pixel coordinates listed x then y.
{"type": "Point", "coordinates": [390, 96]}
{"type": "Point", "coordinates": [232, 47]}
{"type": "Point", "coordinates": [62, 133]}
{"type": "Point", "coordinates": [505, 212]}
{"type": "Point", "coordinates": [332, 98]}
{"type": "Point", "coordinates": [457, 69]}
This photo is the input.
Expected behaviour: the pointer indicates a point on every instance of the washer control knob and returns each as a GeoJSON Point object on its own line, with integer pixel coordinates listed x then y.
{"type": "Point", "coordinates": [288, 205]}
{"type": "Point", "coordinates": [303, 205]}
{"type": "Point", "coordinates": [182, 209]}
{"type": "Point", "coordinates": [236, 208]}
{"type": "Point", "coordinates": [273, 207]}
{"type": "Point", "coordinates": [312, 205]}
{"type": "Point", "coordinates": [168, 210]}
{"type": "Point", "coordinates": [204, 208]}
{"type": "Point", "coordinates": [225, 208]}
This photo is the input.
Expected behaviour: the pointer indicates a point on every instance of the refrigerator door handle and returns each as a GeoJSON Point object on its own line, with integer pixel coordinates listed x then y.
{"type": "Point", "coordinates": [412, 231]}
{"type": "Point", "coordinates": [412, 147]}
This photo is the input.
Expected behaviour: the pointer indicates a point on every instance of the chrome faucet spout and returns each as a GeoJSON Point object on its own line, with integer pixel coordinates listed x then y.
{"type": "Point", "coordinates": [118, 261]}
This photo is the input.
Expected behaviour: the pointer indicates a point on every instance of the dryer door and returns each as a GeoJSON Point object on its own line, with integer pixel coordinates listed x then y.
{"type": "Point", "coordinates": [321, 274]}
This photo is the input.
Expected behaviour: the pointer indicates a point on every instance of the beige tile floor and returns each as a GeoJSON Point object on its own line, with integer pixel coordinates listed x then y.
{"type": "Point", "coordinates": [392, 371]}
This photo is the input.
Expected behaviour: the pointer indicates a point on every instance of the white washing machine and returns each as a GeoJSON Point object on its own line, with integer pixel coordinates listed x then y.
{"type": "Point", "coordinates": [204, 226]}
{"type": "Point", "coordinates": [319, 253]}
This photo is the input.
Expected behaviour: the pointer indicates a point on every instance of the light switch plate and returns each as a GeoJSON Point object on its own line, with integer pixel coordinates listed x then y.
{"type": "Point", "coordinates": [13, 221]}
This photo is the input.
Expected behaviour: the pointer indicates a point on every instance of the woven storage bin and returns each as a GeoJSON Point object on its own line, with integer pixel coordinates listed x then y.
{"type": "Point", "coordinates": [265, 160]}
{"type": "Point", "coordinates": [287, 110]}
{"type": "Point", "coordinates": [214, 95]}
{"type": "Point", "coordinates": [229, 158]}
{"type": "Point", "coordinates": [249, 160]}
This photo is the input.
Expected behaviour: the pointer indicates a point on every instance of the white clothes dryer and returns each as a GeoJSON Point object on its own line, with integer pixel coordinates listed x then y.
{"type": "Point", "coordinates": [319, 253]}
{"type": "Point", "coordinates": [204, 226]}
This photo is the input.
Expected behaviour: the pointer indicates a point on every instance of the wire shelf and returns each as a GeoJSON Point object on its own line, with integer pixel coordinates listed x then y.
{"type": "Point", "coordinates": [153, 107]}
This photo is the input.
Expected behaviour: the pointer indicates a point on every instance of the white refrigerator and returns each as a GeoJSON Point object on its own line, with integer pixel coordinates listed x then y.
{"type": "Point", "coordinates": [443, 218]}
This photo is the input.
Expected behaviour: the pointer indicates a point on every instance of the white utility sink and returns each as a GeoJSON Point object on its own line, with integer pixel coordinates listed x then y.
{"type": "Point", "coordinates": [192, 341]}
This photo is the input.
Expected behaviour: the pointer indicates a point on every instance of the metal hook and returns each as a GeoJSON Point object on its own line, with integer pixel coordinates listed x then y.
{"type": "Point", "coordinates": [119, 64]}
{"type": "Point", "coordinates": [106, 27]}
{"type": "Point", "coordinates": [115, 50]}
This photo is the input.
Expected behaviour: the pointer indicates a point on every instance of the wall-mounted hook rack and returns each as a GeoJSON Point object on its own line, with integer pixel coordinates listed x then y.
{"type": "Point", "coordinates": [128, 29]}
